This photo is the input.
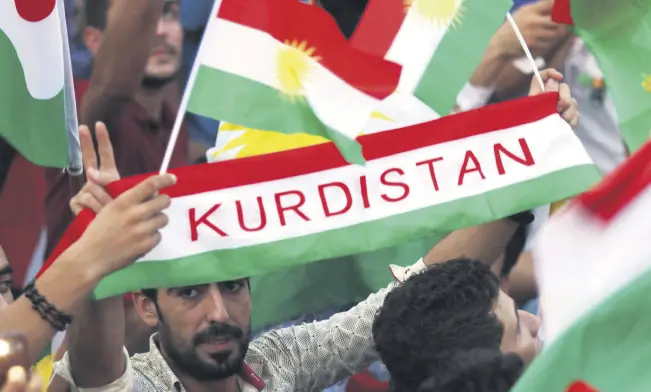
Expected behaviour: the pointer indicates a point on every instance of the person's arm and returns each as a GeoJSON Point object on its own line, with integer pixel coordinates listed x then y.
{"type": "Point", "coordinates": [484, 243]}
{"type": "Point", "coordinates": [77, 267]}
{"type": "Point", "coordinates": [98, 332]}
{"type": "Point", "coordinates": [512, 82]}
{"type": "Point", "coordinates": [481, 86]}
{"type": "Point", "coordinates": [120, 63]}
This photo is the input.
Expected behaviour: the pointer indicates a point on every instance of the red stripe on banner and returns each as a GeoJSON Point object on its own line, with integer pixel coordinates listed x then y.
{"type": "Point", "coordinates": [562, 12]}
{"type": "Point", "coordinates": [621, 187]}
{"type": "Point", "coordinates": [307, 160]}
{"type": "Point", "coordinates": [378, 26]}
{"type": "Point", "coordinates": [291, 20]}
{"type": "Point", "coordinates": [72, 234]}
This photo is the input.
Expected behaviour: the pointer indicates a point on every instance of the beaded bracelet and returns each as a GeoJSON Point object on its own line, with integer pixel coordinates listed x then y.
{"type": "Point", "coordinates": [57, 319]}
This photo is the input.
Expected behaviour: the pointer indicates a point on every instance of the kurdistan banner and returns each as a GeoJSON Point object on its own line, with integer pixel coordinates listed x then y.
{"type": "Point", "coordinates": [249, 216]}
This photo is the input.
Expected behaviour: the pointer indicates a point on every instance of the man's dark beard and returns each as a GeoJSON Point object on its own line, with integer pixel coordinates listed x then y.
{"type": "Point", "coordinates": [185, 359]}
{"type": "Point", "coordinates": [155, 83]}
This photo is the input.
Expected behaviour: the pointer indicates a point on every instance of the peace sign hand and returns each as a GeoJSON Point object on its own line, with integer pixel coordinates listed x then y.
{"type": "Point", "coordinates": [93, 195]}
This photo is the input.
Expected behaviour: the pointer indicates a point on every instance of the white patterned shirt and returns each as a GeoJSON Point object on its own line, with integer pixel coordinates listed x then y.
{"type": "Point", "coordinates": [303, 358]}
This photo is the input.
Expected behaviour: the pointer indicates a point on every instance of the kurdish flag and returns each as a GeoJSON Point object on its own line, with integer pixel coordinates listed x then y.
{"type": "Point", "coordinates": [618, 33]}
{"type": "Point", "coordinates": [34, 103]}
{"type": "Point", "coordinates": [281, 65]}
{"type": "Point", "coordinates": [268, 212]}
{"type": "Point", "coordinates": [439, 43]}
{"type": "Point", "coordinates": [593, 263]}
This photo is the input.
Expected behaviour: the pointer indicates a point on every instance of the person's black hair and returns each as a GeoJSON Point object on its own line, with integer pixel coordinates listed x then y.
{"type": "Point", "coordinates": [96, 12]}
{"type": "Point", "coordinates": [476, 371]}
{"type": "Point", "coordinates": [449, 307]}
{"type": "Point", "coordinates": [513, 249]}
{"type": "Point", "coordinates": [150, 293]}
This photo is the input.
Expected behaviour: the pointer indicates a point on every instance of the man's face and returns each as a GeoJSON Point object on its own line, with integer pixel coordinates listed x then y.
{"type": "Point", "coordinates": [520, 329]}
{"type": "Point", "coordinates": [6, 279]}
{"type": "Point", "coordinates": [204, 330]}
{"type": "Point", "coordinates": [165, 58]}
{"type": "Point", "coordinates": [165, 52]}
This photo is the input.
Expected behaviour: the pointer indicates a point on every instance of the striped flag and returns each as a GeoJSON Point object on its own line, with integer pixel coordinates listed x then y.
{"type": "Point", "coordinates": [439, 43]}
{"type": "Point", "coordinates": [618, 35]}
{"type": "Point", "coordinates": [281, 65]}
{"type": "Point", "coordinates": [249, 216]}
{"type": "Point", "coordinates": [593, 264]}
{"type": "Point", "coordinates": [37, 109]}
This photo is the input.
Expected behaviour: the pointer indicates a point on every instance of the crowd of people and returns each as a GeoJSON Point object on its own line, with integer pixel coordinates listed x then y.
{"type": "Point", "coordinates": [461, 318]}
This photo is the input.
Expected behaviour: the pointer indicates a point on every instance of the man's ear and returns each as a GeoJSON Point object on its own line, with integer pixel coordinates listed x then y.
{"type": "Point", "coordinates": [92, 38]}
{"type": "Point", "coordinates": [146, 309]}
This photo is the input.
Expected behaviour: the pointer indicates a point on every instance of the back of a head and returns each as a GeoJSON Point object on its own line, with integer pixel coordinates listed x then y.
{"type": "Point", "coordinates": [446, 309]}
{"type": "Point", "coordinates": [476, 371]}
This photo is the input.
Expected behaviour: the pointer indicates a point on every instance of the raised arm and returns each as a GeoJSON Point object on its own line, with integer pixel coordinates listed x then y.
{"type": "Point", "coordinates": [119, 65]}
{"type": "Point", "coordinates": [117, 236]}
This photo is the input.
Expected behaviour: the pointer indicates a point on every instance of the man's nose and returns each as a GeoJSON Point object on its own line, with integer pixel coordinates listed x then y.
{"type": "Point", "coordinates": [160, 28]}
{"type": "Point", "coordinates": [531, 322]}
{"type": "Point", "coordinates": [216, 307]}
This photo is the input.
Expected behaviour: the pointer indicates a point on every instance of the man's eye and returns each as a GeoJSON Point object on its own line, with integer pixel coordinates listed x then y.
{"type": "Point", "coordinates": [171, 11]}
{"type": "Point", "coordinates": [233, 285]}
{"type": "Point", "coordinates": [189, 293]}
{"type": "Point", "coordinates": [5, 287]}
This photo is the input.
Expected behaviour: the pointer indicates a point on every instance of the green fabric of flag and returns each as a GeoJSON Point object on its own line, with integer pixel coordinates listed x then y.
{"type": "Point", "coordinates": [618, 33]}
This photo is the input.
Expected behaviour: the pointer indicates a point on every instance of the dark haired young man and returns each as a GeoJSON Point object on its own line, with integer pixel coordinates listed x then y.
{"type": "Point", "coordinates": [447, 309]}
{"type": "Point", "coordinates": [136, 49]}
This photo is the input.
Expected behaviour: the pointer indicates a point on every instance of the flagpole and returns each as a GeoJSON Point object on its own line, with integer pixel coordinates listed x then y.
{"type": "Point", "coordinates": [527, 52]}
{"type": "Point", "coordinates": [75, 167]}
{"type": "Point", "coordinates": [183, 106]}
{"type": "Point", "coordinates": [555, 206]}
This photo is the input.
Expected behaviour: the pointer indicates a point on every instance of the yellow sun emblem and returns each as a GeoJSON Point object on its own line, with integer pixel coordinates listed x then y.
{"type": "Point", "coordinates": [442, 12]}
{"type": "Point", "coordinates": [293, 65]}
{"type": "Point", "coordinates": [646, 83]}
{"type": "Point", "coordinates": [254, 142]}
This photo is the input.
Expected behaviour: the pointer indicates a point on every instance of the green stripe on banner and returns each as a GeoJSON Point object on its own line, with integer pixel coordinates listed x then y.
{"type": "Point", "coordinates": [258, 259]}
{"type": "Point", "coordinates": [255, 105]}
{"type": "Point", "coordinates": [459, 53]}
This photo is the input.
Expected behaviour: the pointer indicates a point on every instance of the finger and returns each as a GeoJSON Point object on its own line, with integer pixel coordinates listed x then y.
{"type": "Point", "coordinates": [153, 206]}
{"type": "Point", "coordinates": [35, 384]}
{"type": "Point", "coordinates": [146, 189]}
{"type": "Point", "coordinates": [544, 6]}
{"type": "Point", "coordinates": [564, 97]}
{"type": "Point", "coordinates": [104, 148]}
{"type": "Point", "coordinates": [85, 200]}
{"type": "Point", "coordinates": [546, 75]}
{"type": "Point", "coordinates": [99, 193]}
{"type": "Point", "coordinates": [155, 223]}
{"type": "Point", "coordinates": [16, 380]}
{"type": "Point", "coordinates": [571, 115]}
{"type": "Point", "coordinates": [88, 155]}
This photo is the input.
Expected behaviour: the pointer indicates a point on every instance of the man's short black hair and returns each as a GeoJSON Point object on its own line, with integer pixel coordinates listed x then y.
{"type": "Point", "coordinates": [476, 371]}
{"type": "Point", "coordinates": [150, 293]}
{"type": "Point", "coordinates": [96, 12]}
{"type": "Point", "coordinates": [446, 309]}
